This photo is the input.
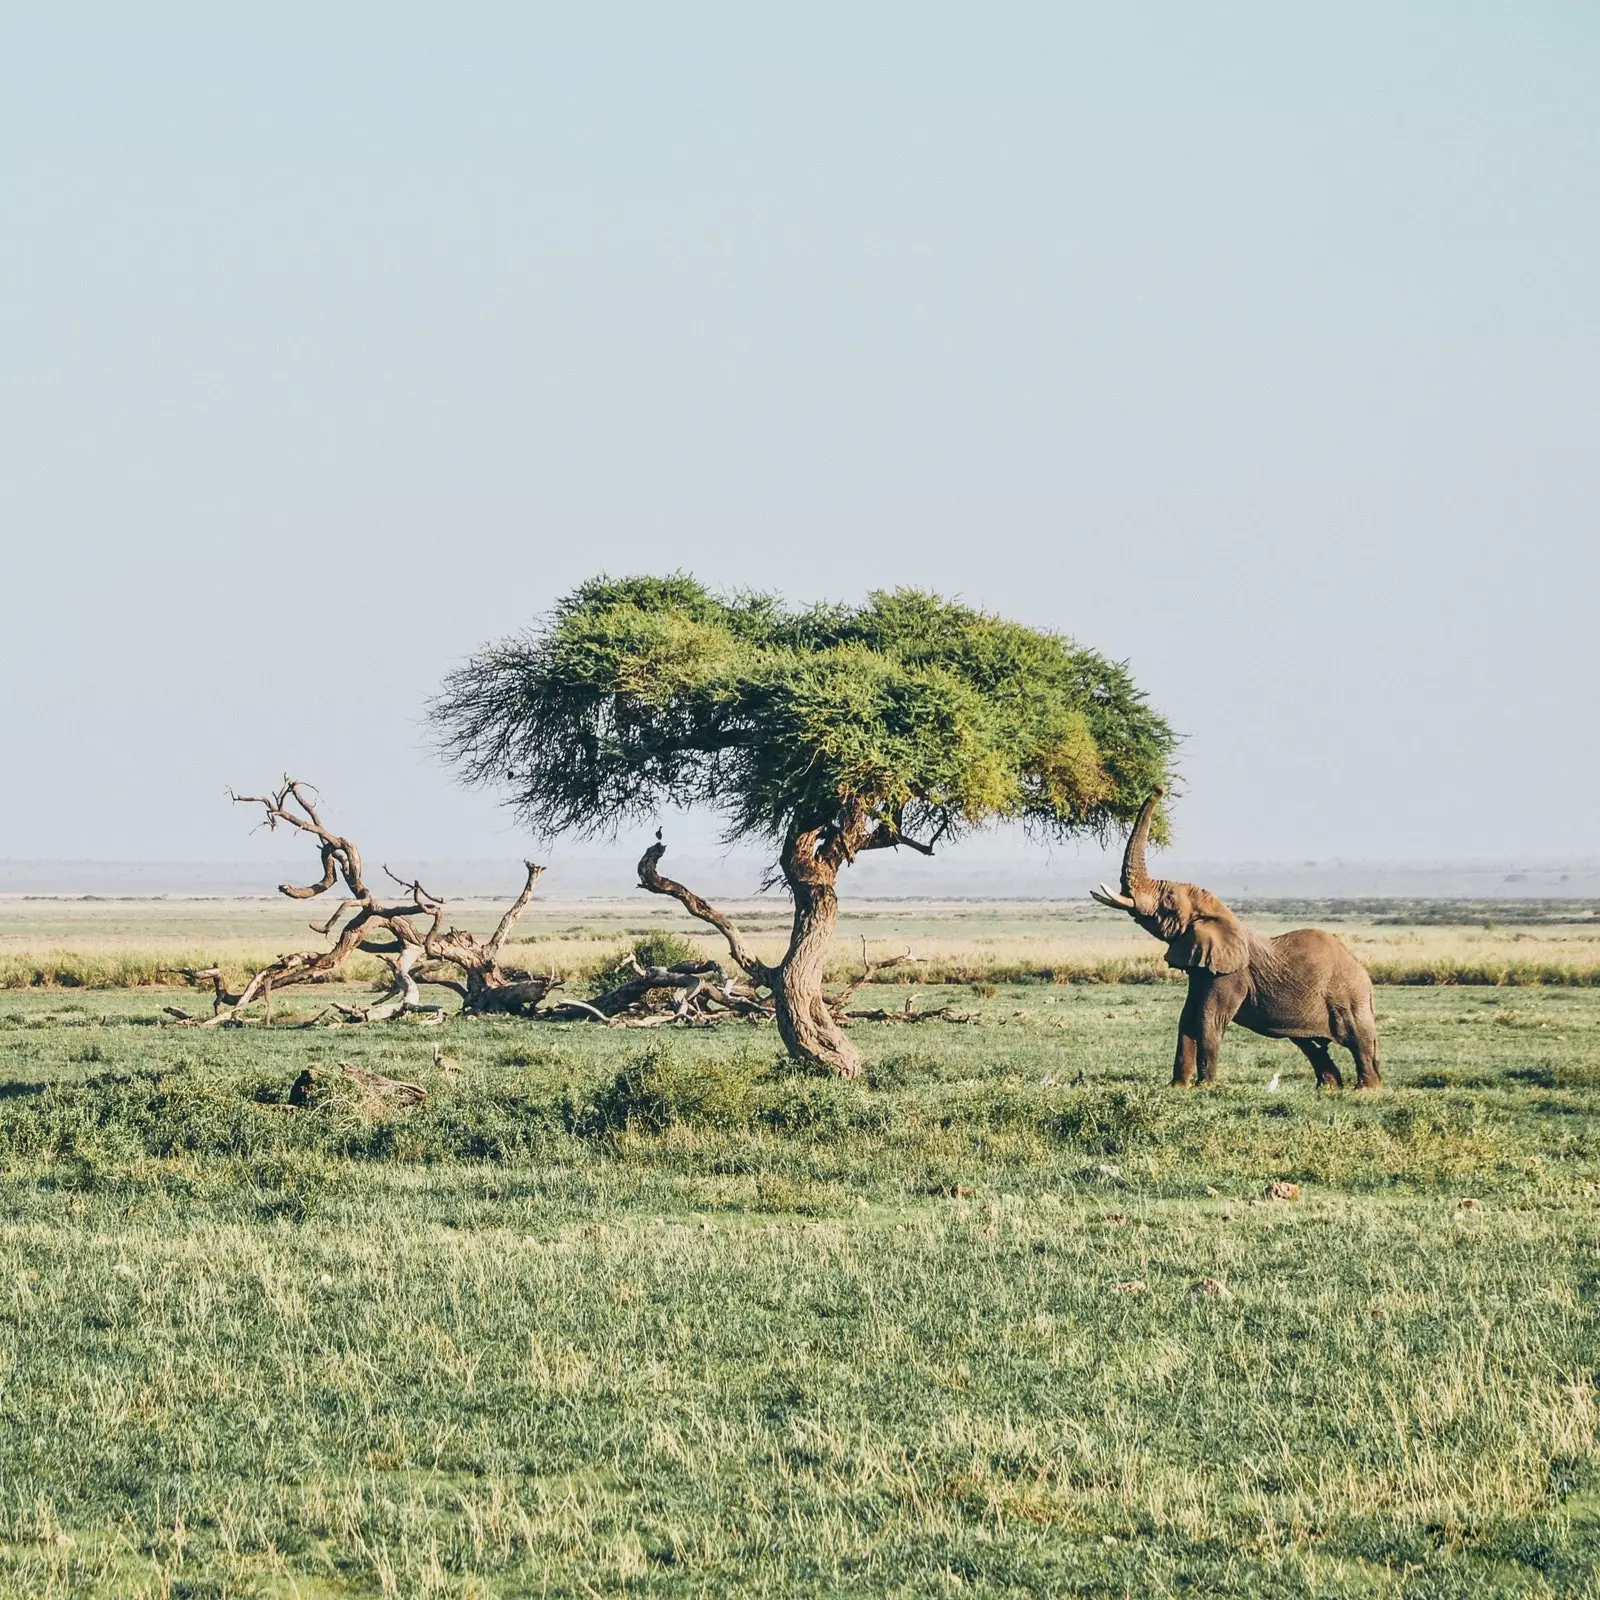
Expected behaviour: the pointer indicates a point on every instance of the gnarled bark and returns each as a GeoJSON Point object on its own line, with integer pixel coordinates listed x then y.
{"type": "Point", "coordinates": [409, 936]}
{"type": "Point", "coordinates": [808, 1021]}
{"type": "Point", "coordinates": [806, 1024]}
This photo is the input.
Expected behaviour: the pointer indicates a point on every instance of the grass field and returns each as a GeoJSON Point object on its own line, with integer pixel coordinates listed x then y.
{"type": "Point", "coordinates": [616, 1313]}
{"type": "Point", "coordinates": [58, 943]}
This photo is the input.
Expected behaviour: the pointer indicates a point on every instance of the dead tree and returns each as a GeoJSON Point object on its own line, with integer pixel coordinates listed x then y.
{"type": "Point", "coordinates": [409, 936]}
{"type": "Point", "coordinates": [869, 972]}
{"type": "Point", "coordinates": [484, 985]}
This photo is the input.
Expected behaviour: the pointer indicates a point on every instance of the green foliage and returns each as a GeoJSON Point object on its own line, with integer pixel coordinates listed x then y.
{"type": "Point", "coordinates": [929, 714]}
{"type": "Point", "coordinates": [659, 1089]}
{"type": "Point", "coordinates": [658, 948]}
{"type": "Point", "coordinates": [663, 948]}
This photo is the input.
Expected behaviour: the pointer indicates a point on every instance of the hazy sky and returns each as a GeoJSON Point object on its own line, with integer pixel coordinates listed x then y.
{"type": "Point", "coordinates": [1256, 343]}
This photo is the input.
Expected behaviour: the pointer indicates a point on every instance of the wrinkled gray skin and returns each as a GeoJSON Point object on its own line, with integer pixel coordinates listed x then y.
{"type": "Point", "coordinates": [1304, 986]}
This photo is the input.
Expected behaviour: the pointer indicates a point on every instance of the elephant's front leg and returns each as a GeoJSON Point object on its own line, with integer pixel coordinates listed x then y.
{"type": "Point", "coordinates": [1207, 1011]}
{"type": "Point", "coordinates": [1186, 1060]}
{"type": "Point", "coordinates": [1190, 1058]}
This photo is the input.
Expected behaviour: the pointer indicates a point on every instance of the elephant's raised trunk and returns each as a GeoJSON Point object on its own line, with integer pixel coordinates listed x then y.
{"type": "Point", "coordinates": [1135, 879]}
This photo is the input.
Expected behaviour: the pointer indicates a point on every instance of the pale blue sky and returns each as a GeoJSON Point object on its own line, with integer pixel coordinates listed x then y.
{"type": "Point", "coordinates": [1256, 343]}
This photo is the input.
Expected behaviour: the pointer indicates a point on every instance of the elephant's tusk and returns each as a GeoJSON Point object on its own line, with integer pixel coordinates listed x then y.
{"type": "Point", "coordinates": [1109, 897]}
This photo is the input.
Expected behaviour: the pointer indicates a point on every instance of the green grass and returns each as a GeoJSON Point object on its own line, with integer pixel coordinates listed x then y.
{"type": "Point", "coordinates": [616, 1313]}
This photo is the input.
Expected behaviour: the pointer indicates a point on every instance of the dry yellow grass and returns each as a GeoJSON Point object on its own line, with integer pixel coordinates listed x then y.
{"type": "Point", "coordinates": [123, 944]}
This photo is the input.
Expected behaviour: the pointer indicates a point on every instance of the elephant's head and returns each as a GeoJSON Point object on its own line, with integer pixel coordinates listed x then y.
{"type": "Point", "coordinates": [1198, 929]}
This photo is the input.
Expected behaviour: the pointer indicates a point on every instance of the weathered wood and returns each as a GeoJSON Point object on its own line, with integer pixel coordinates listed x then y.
{"type": "Point", "coordinates": [410, 937]}
{"type": "Point", "coordinates": [376, 1095]}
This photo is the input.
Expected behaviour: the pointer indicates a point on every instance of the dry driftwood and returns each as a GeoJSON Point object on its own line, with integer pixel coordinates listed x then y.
{"type": "Point", "coordinates": [376, 1095]}
{"type": "Point", "coordinates": [409, 936]}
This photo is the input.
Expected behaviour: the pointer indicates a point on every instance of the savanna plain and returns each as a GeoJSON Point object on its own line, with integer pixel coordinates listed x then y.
{"type": "Point", "coordinates": [618, 1311]}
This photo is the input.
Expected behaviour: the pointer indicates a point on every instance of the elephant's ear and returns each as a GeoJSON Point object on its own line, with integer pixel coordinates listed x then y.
{"type": "Point", "coordinates": [1216, 944]}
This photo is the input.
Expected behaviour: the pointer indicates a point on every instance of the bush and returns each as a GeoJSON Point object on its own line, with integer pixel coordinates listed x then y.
{"type": "Point", "coordinates": [118, 1118]}
{"type": "Point", "coordinates": [822, 1109]}
{"type": "Point", "coordinates": [659, 948]}
{"type": "Point", "coordinates": [1097, 1121]}
{"type": "Point", "coordinates": [657, 1090]}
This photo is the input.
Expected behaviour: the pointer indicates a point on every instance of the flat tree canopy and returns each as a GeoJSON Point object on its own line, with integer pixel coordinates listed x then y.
{"type": "Point", "coordinates": [825, 731]}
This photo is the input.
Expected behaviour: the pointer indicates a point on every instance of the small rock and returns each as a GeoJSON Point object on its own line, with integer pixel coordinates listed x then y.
{"type": "Point", "coordinates": [1210, 1287]}
{"type": "Point", "coordinates": [1132, 1286]}
{"type": "Point", "coordinates": [1282, 1189]}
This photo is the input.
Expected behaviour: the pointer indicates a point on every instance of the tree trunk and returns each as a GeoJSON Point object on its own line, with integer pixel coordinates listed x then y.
{"type": "Point", "coordinates": [492, 990]}
{"type": "Point", "coordinates": [807, 1027]}
{"type": "Point", "coordinates": [810, 862]}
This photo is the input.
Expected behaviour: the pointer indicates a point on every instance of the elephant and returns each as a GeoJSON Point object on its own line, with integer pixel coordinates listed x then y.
{"type": "Point", "coordinates": [1303, 986]}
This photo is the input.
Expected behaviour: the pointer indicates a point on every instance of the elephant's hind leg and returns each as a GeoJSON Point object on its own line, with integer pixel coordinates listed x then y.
{"type": "Point", "coordinates": [1357, 1031]}
{"type": "Point", "coordinates": [1363, 1045]}
{"type": "Point", "coordinates": [1326, 1068]}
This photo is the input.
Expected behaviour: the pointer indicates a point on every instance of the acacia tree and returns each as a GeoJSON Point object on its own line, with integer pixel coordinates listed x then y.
{"type": "Point", "coordinates": [823, 732]}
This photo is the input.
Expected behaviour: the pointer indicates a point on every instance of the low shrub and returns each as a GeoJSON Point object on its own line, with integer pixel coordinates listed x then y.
{"type": "Point", "coordinates": [120, 1117]}
{"type": "Point", "coordinates": [658, 948]}
{"type": "Point", "coordinates": [658, 1089]}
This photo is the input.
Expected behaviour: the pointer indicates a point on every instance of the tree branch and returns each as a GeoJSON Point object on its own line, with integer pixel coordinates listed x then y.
{"type": "Point", "coordinates": [885, 837]}
{"type": "Point", "coordinates": [395, 933]}
{"type": "Point", "coordinates": [650, 878]}
{"type": "Point", "coordinates": [869, 970]}
{"type": "Point", "coordinates": [515, 909]}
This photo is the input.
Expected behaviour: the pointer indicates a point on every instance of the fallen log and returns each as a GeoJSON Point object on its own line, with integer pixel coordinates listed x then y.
{"type": "Point", "coordinates": [374, 1094]}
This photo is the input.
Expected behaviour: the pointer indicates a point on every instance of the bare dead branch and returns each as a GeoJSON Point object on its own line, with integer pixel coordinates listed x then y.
{"type": "Point", "coordinates": [651, 878]}
{"type": "Point", "coordinates": [686, 975]}
{"type": "Point", "coordinates": [559, 1012]}
{"type": "Point", "coordinates": [389, 931]}
{"type": "Point", "coordinates": [869, 970]}
{"type": "Point", "coordinates": [515, 909]}
{"type": "Point", "coordinates": [326, 928]}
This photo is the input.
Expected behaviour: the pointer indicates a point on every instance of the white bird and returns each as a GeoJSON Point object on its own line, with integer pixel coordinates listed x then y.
{"type": "Point", "coordinates": [1272, 1088]}
{"type": "Point", "coordinates": [443, 1062]}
